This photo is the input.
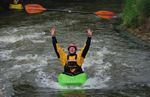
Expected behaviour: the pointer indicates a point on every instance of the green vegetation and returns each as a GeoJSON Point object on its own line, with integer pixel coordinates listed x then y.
{"type": "Point", "coordinates": [135, 12]}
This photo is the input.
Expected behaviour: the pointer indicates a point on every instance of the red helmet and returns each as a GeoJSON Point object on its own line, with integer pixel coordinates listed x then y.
{"type": "Point", "coordinates": [72, 45]}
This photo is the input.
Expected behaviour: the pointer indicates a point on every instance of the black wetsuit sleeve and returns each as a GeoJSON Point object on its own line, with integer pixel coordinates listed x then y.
{"type": "Point", "coordinates": [54, 40]}
{"type": "Point", "coordinates": [87, 46]}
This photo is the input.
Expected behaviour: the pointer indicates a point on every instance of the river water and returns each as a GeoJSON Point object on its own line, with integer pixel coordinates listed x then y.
{"type": "Point", "coordinates": [117, 64]}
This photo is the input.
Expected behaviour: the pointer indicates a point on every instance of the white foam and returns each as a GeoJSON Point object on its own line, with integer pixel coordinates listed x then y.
{"type": "Point", "coordinates": [45, 80]}
{"type": "Point", "coordinates": [27, 57]}
{"type": "Point", "coordinates": [42, 59]}
{"type": "Point", "coordinates": [104, 50]}
{"type": "Point", "coordinates": [100, 76]}
{"type": "Point", "coordinates": [9, 30]}
{"type": "Point", "coordinates": [5, 54]}
{"type": "Point", "coordinates": [96, 83]}
{"type": "Point", "coordinates": [96, 41]}
{"type": "Point", "coordinates": [17, 70]}
{"type": "Point", "coordinates": [10, 39]}
{"type": "Point", "coordinates": [38, 41]}
{"type": "Point", "coordinates": [32, 63]}
{"type": "Point", "coordinates": [34, 35]}
{"type": "Point", "coordinates": [96, 57]}
{"type": "Point", "coordinates": [14, 30]}
{"type": "Point", "coordinates": [15, 38]}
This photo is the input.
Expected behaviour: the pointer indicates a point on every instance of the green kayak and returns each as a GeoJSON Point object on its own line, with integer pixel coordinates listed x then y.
{"type": "Point", "coordinates": [79, 79]}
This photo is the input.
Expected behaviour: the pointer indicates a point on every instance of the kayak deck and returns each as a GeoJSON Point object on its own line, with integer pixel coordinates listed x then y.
{"type": "Point", "coordinates": [79, 79]}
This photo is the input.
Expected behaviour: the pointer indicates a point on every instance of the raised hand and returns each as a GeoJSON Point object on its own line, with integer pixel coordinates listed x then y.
{"type": "Point", "coordinates": [89, 32]}
{"type": "Point", "coordinates": [53, 31]}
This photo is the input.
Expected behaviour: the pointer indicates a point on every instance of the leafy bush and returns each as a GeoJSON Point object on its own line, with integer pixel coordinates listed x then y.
{"type": "Point", "coordinates": [135, 12]}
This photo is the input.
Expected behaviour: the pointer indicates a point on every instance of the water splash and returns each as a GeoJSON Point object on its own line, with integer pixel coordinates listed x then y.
{"type": "Point", "coordinates": [5, 55]}
{"type": "Point", "coordinates": [98, 81]}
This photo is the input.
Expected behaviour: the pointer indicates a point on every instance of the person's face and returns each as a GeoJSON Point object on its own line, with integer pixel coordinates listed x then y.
{"type": "Point", "coordinates": [72, 50]}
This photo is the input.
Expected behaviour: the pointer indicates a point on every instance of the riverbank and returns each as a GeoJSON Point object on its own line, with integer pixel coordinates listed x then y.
{"type": "Point", "coordinates": [142, 32]}
{"type": "Point", "coordinates": [136, 19]}
{"type": "Point", "coordinates": [140, 35]}
{"type": "Point", "coordinates": [137, 35]}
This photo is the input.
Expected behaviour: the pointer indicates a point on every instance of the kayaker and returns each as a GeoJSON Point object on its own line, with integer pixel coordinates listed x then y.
{"type": "Point", "coordinates": [16, 4]}
{"type": "Point", "coordinates": [16, 1]}
{"type": "Point", "coordinates": [72, 61]}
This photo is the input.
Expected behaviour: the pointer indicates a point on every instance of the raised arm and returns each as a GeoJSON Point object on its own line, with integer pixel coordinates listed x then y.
{"type": "Point", "coordinates": [88, 42]}
{"type": "Point", "coordinates": [54, 40]}
{"type": "Point", "coordinates": [59, 51]}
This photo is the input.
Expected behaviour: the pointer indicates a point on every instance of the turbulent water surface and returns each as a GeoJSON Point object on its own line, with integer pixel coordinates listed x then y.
{"type": "Point", "coordinates": [116, 65]}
